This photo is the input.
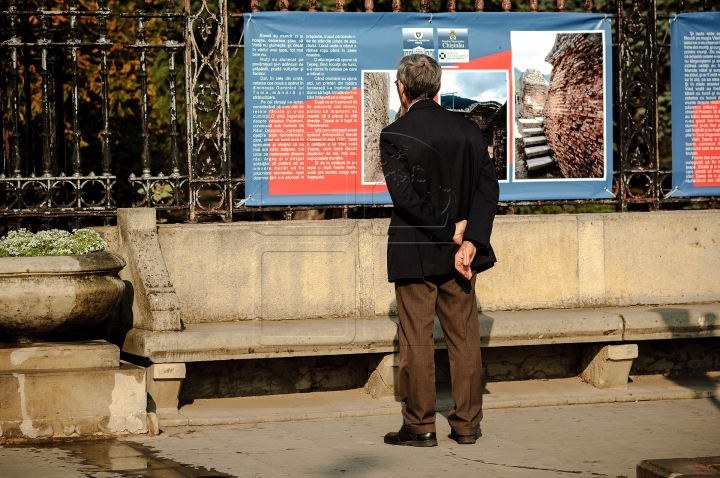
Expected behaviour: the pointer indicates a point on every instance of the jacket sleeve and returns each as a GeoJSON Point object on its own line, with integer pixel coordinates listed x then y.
{"type": "Point", "coordinates": [484, 203]}
{"type": "Point", "coordinates": [413, 209]}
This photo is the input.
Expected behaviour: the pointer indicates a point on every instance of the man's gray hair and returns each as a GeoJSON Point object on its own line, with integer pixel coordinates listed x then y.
{"type": "Point", "coordinates": [420, 74]}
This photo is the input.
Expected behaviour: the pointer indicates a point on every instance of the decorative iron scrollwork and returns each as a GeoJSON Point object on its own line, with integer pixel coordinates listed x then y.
{"type": "Point", "coordinates": [208, 129]}
{"type": "Point", "coordinates": [637, 118]}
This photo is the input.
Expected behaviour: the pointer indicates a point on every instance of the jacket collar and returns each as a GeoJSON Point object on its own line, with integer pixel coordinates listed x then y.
{"type": "Point", "coordinates": [423, 104]}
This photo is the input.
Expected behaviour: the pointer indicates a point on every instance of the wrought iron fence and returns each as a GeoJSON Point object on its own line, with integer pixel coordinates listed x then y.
{"type": "Point", "coordinates": [93, 108]}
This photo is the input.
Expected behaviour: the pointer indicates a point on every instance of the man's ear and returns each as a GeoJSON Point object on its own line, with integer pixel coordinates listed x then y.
{"type": "Point", "coordinates": [401, 93]}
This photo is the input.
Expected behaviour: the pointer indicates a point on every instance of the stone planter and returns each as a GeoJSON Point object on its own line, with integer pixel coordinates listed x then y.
{"type": "Point", "coordinates": [41, 296]}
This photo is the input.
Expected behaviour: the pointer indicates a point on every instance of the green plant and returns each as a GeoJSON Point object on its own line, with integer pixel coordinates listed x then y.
{"type": "Point", "coordinates": [23, 243]}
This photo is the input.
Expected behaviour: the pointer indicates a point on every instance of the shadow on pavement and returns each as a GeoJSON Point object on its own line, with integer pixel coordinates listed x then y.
{"type": "Point", "coordinates": [679, 320]}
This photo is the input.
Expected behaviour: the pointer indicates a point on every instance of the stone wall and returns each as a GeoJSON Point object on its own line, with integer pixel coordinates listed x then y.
{"type": "Point", "coordinates": [574, 108]}
{"type": "Point", "coordinates": [376, 115]}
{"type": "Point", "coordinates": [533, 88]}
{"type": "Point", "coordinates": [303, 269]}
{"type": "Point", "coordinates": [491, 117]}
{"type": "Point", "coordinates": [499, 142]}
{"type": "Point", "coordinates": [247, 378]}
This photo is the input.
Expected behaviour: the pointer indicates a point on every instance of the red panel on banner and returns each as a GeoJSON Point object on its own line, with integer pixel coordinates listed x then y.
{"type": "Point", "coordinates": [315, 147]}
{"type": "Point", "coordinates": [706, 141]}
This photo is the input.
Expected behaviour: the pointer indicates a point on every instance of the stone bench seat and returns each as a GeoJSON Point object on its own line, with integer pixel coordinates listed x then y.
{"type": "Point", "coordinates": [332, 336]}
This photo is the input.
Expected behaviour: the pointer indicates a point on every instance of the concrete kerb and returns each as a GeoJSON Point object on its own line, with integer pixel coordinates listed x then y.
{"type": "Point", "coordinates": [498, 395]}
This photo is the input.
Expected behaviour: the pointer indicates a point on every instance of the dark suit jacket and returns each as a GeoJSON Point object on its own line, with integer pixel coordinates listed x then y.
{"type": "Point", "coordinates": [438, 172]}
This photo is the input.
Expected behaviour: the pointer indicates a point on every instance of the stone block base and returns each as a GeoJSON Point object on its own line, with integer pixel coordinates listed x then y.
{"type": "Point", "coordinates": [164, 381]}
{"type": "Point", "coordinates": [608, 366]}
{"type": "Point", "coordinates": [384, 379]}
{"type": "Point", "coordinates": [680, 468]}
{"type": "Point", "coordinates": [58, 401]}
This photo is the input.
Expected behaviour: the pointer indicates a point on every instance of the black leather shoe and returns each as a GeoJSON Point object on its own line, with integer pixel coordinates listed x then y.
{"type": "Point", "coordinates": [411, 439]}
{"type": "Point", "coordinates": [463, 439]}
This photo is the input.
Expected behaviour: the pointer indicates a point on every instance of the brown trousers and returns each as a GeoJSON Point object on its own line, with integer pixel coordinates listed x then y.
{"type": "Point", "coordinates": [452, 297]}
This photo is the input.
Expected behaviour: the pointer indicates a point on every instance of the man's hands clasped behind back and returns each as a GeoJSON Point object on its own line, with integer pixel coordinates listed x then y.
{"type": "Point", "coordinates": [465, 255]}
{"type": "Point", "coordinates": [459, 232]}
{"type": "Point", "coordinates": [463, 258]}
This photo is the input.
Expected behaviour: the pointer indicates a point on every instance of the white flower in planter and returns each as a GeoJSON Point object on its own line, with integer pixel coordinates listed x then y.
{"type": "Point", "coordinates": [23, 243]}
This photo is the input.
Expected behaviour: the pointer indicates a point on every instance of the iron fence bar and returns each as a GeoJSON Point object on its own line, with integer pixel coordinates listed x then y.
{"type": "Point", "coordinates": [652, 112]}
{"type": "Point", "coordinates": [29, 163]}
{"type": "Point", "coordinates": [45, 89]}
{"type": "Point", "coordinates": [143, 75]}
{"type": "Point", "coordinates": [3, 123]}
{"type": "Point", "coordinates": [15, 135]}
{"type": "Point", "coordinates": [76, 135]}
{"type": "Point", "coordinates": [102, 25]}
{"type": "Point", "coordinates": [170, 44]}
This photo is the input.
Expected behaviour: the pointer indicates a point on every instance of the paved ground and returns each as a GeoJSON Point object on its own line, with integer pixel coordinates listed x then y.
{"type": "Point", "coordinates": [594, 440]}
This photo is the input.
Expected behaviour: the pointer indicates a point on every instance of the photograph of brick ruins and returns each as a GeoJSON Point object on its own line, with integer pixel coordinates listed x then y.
{"type": "Point", "coordinates": [559, 127]}
{"type": "Point", "coordinates": [482, 96]}
{"type": "Point", "coordinates": [380, 106]}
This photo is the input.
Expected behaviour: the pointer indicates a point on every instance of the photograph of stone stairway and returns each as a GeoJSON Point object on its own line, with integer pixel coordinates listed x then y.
{"type": "Point", "coordinates": [537, 152]}
{"type": "Point", "coordinates": [534, 157]}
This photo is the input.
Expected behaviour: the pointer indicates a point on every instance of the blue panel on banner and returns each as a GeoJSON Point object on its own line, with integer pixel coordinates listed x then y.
{"type": "Point", "coordinates": [695, 76]}
{"type": "Point", "coordinates": [319, 88]}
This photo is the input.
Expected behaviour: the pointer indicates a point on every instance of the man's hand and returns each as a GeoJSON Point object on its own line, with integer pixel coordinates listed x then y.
{"type": "Point", "coordinates": [459, 232]}
{"type": "Point", "coordinates": [463, 259]}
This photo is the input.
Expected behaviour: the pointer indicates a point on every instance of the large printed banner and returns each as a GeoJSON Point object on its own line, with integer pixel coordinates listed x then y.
{"type": "Point", "coordinates": [695, 61]}
{"type": "Point", "coordinates": [319, 89]}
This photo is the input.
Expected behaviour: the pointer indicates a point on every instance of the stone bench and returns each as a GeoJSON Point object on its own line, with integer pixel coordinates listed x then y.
{"type": "Point", "coordinates": [332, 336]}
{"type": "Point", "coordinates": [605, 366]}
{"type": "Point", "coordinates": [285, 289]}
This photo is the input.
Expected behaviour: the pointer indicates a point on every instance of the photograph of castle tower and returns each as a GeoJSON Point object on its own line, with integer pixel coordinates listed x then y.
{"type": "Point", "coordinates": [559, 124]}
{"type": "Point", "coordinates": [482, 96]}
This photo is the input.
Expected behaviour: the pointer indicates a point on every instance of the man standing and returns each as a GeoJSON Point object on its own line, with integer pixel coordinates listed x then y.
{"type": "Point", "coordinates": [445, 193]}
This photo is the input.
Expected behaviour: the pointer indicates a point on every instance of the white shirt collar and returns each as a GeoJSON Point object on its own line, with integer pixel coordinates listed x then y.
{"type": "Point", "coordinates": [411, 104]}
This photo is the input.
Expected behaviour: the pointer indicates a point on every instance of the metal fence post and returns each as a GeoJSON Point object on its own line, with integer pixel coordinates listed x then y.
{"type": "Point", "coordinates": [637, 119]}
{"type": "Point", "coordinates": [207, 109]}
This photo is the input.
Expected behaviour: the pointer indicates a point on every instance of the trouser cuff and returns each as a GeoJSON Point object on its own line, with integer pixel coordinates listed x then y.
{"type": "Point", "coordinates": [465, 431]}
